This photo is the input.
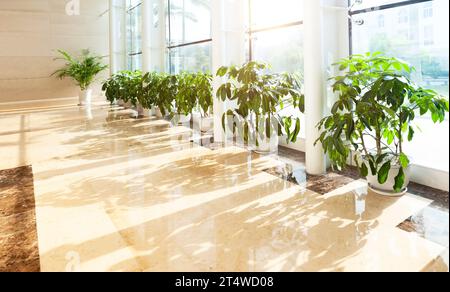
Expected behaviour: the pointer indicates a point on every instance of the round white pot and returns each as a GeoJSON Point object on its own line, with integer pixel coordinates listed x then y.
{"type": "Point", "coordinates": [153, 111]}
{"type": "Point", "coordinates": [142, 112]}
{"type": "Point", "coordinates": [207, 124]}
{"type": "Point", "coordinates": [267, 145]}
{"type": "Point", "coordinates": [127, 105]}
{"type": "Point", "coordinates": [387, 189]}
{"type": "Point", "coordinates": [184, 119]}
{"type": "Point", "coordinates": [263, 144]}
{"type": "Point", "coordinates": [85, 97]}
{"type": "Point", "coordinates": [204, 124]}
{"type": "Point", "coordinates": [158, 113]}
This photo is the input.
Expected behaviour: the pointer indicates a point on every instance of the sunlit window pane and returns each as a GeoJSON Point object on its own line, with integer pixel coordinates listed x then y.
{"type": "Point", "coordinates": [281, 48]}
{"type": "Point", "coordinates": [134, 35]}
{"type": "Point", "coordinates": [419, 34]}
{"type": "Point", "coordinates": [190, 21]}
{"type": "Point", "coordinates": [135, 62]}
{"type": "Point", "coordinates": [267, 13]}
{"type": "Point", "coordinates": [372, 3]}
{"type": "Point", "coordinates": [194, 58]}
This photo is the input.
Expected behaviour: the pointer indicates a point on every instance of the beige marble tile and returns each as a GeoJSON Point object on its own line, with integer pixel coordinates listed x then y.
{"type": "Point", "coordinates": [119, 194]}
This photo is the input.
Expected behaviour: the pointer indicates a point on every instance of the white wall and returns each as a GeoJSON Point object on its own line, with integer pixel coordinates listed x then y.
{"type": "Point", "coordinates": [31, 31]}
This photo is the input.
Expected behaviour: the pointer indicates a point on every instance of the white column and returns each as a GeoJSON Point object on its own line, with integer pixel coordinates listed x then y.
{"type": "Point", "coordinates": [117, 35]}
{"type": "Point", "coordinates": [314, 84]}
{"type": "Point", "coordinates": [153, 35]}
{"type": "Point", "coordinates": [147, 19]}
{"type": "Point", "coordinates": [228, 48]}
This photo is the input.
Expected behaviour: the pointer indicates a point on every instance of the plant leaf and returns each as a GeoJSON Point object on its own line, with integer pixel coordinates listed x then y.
{"type": "Point", "coordinates": [399, 180]}
{"type": "Point", "coordinates": [383, 173]}
{"type": "Point", "coordinates": [404, 160]}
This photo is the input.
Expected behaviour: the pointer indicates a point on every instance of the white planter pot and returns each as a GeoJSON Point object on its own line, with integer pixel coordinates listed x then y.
{"type": "Point", "coordinates": [204, 124]}
{"type": "Point", "coordinates": [184, 119]}
{"type": "Point", "coordinates": [153, 112]}
{"type": "Point", "coordinates": [127, 105]}
{"type": "Point", "coordinates": [207, 124]}
{"type": "Point", "coordinates": [387, 189]}
{"type": "Point", "coordinates": [267, 145]}
{"type": "Point", "coordinates": [85, 97]}
{"type": "Point", "coordinates": [142, 112]}
{"type": "Point", "coordinates": [158, 113]}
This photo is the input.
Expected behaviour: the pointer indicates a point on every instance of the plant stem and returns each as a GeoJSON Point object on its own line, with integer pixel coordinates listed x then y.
{"type": "Point", "coordinates": [363, 143]}
{"type": "Point", "coordinates": [400, 140]}
{"type": "Point", "coordinates": [381, 142]}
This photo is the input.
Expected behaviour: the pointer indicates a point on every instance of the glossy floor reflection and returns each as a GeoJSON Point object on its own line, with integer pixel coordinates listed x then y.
{"type": "Point", "coordinates": [115, 193]}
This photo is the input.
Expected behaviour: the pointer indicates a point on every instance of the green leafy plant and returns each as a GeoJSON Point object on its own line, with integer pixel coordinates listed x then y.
{"type": "Point", "coordinates": [172, 94]}
{"type": "Point", "coordinates": [83, 69]}
{"type": "Point", "coordinates": [374, 114]}
{"type": "Point", "coordinates": [167, 91]}
{"type": "Point", "coordinates": [194, 93]}
{"type": "Point", "coordinates": [128, 86]}
{"type": "Point", "coordinates": [151, 83]}
{"type": "Point", "coordinates": [261, 97]}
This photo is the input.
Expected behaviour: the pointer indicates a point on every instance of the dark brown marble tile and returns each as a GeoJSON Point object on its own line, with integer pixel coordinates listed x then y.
{"type": "Point", "coordinates": [430, 223]}
{"type": "Point", "coordinates": [18, 235]}
{"type": "Point", "coordinates": [294, 155]}
{"type": "Point", "coordinates": [439, 197]}
{"type": "Point", "coordinates": [287, 173]}
{"type": "Point", "coordinates": [323, 184]}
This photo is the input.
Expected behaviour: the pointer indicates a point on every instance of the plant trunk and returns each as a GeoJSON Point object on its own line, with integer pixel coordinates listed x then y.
{"type": "Point", "coordinates": [379, 152]}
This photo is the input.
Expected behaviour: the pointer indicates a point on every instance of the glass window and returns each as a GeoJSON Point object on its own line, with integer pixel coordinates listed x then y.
{"type": "Point", "coordinates": [403, 16]}
{"type": "Point", "coordinates": [282, 48]}
{"type": "Point", "coordinates": [190, 21]}
{"type": "Point", "coordinates": [416, 43]}
{"type": "Point", "coordinates": [371, 4]}
{"type": "Point", "coordinates": [134, 34]}
{"type": "Point", "coordinates": [275, 36]}
{"type": "Point", "coordinates": [195, 58]}
{"type": "Point", "coordinates": [428, 35]}
{"type": "Point", "coordinates": [267, 13]}
{"type": "Point", "coordinates": [381, 21]}
{"type": "Point", "coordinates": [189, 35]}
{"type": "Point", "coordinates": [428, 10]}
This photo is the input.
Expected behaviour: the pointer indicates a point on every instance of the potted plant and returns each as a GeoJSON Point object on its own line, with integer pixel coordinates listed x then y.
{"type": "Point", "coordinates": [83, 70]}
{"type": "Point", "coordinates": [260, 98]}
{"type": "Point", "coordinates": [126, 87]}
{"type": "Point", "coordinates": [194, 98]}
{"type": "Point", "coordinates": [150, 90]}
{"type": "Point", "coordinates": [373, 118]}
{"type": "Point", "coordinates": [204, 89]}
{"type": "Point", "coordinates": [167, 88]}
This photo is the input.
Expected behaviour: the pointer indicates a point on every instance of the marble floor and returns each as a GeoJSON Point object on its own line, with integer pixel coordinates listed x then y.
{"type": "Point", "coordinates": [99, 190]}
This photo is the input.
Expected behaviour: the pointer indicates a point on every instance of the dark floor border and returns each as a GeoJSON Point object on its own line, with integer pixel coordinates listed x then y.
{"type": "Point", "coordinates": [19, 251]}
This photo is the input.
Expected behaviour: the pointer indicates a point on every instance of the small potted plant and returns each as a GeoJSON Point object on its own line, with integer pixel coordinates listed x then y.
{"type": "Point", "coordinates": [195, 98]}
{"type": "Point", "coordinates": [373, 118]}
{"type": "Point", "coordinates": [150, 91]}
{"type": "Point", "coordinates": [128, 87]}
{"type": "Point", "coordinates": [260, 98]}
{"type": "Point", "coordinates": [167, 88]}
{"type": "Point", "coordinates": [83, 70]}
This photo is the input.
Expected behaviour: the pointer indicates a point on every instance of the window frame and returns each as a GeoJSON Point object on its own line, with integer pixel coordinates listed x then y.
{"type": "Point", "coordinates": [351, 22]}
{"type": "Point", "coordinates": [130, 55]}
{"type": "Point", "coordinates": [353, 13]}
{"type": "Point", "coordinates": [251, 32]}
{"type": "Point", "coordinates": [170, 46]}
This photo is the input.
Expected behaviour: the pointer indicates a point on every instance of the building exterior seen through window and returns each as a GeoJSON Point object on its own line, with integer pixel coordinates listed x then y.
{"type": "Point", "coordinates": [417, 32]}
